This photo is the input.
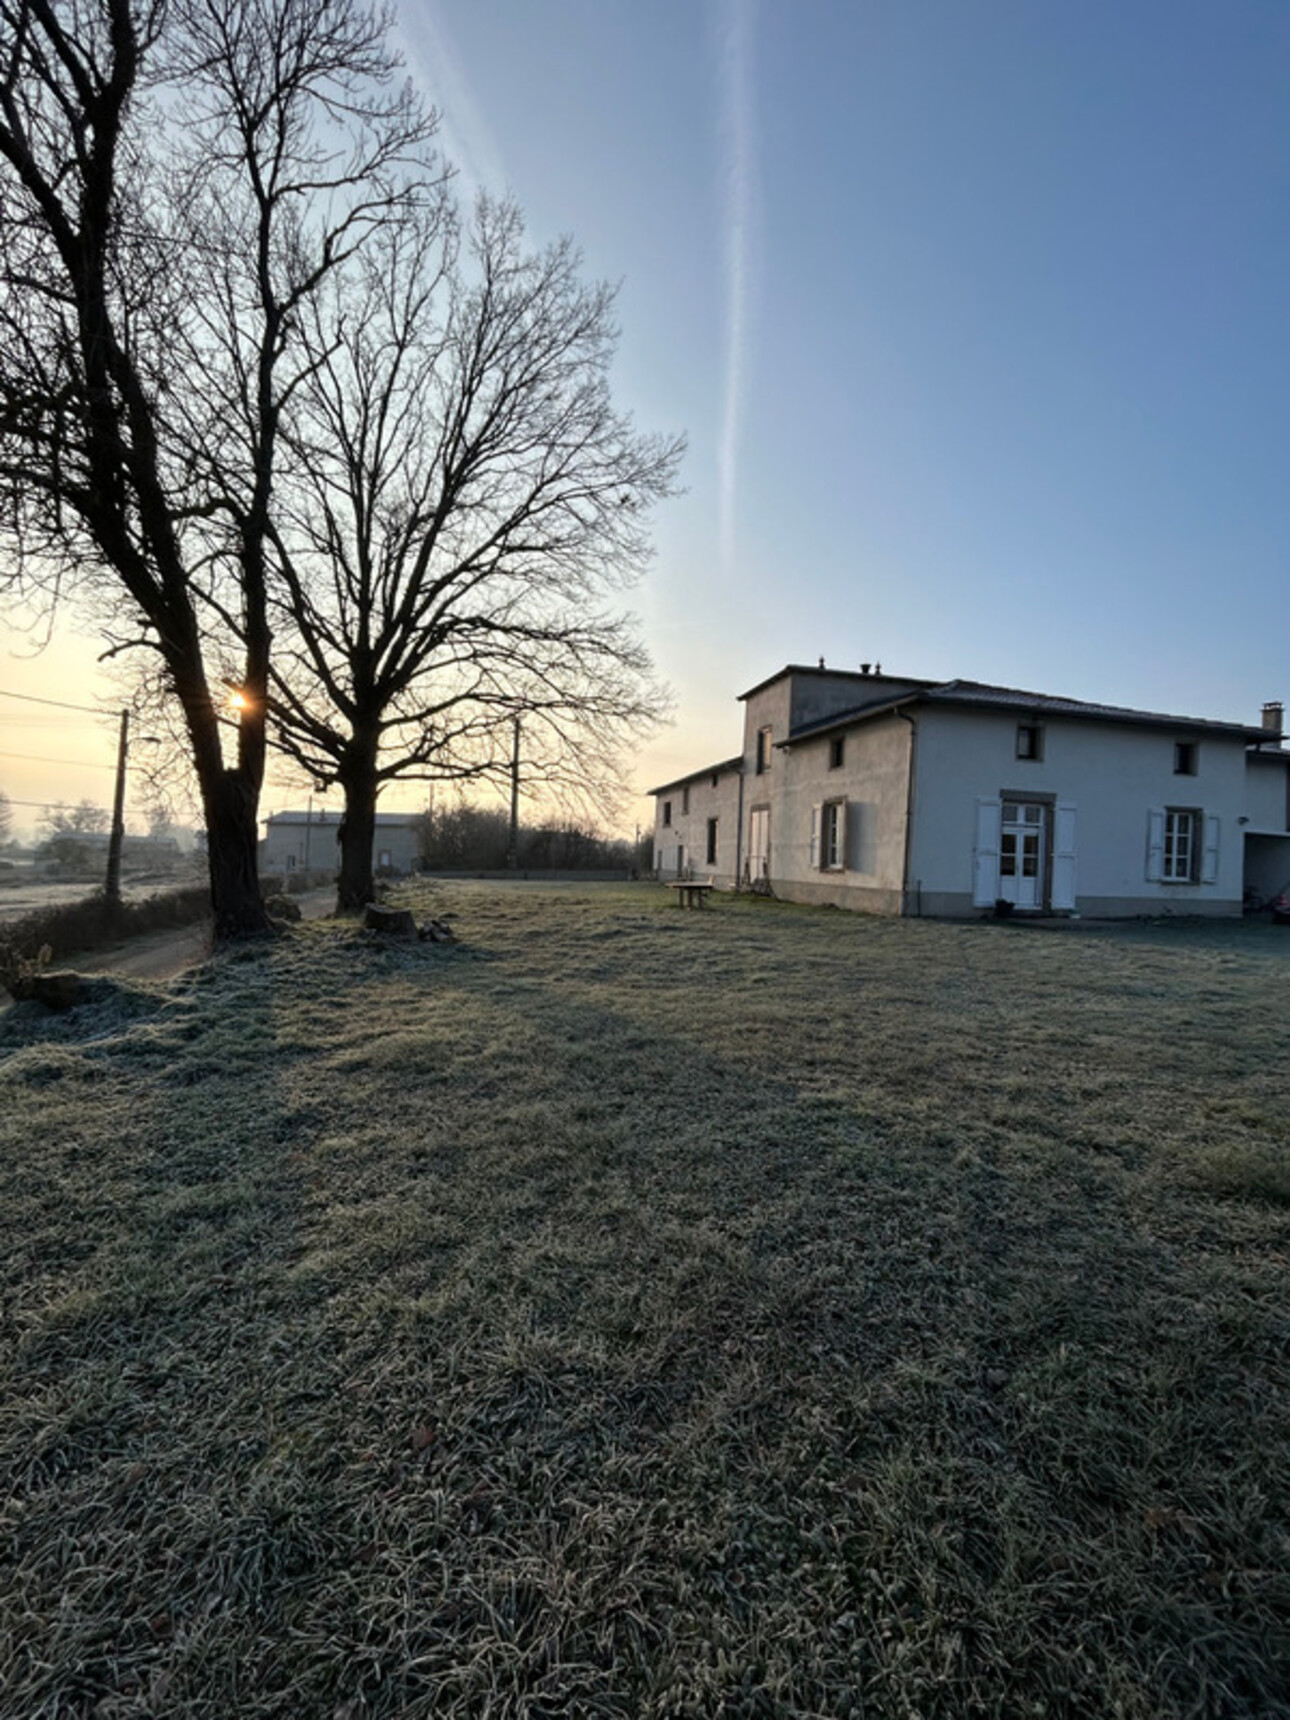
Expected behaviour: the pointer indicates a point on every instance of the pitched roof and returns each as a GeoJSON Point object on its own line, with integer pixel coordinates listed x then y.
{"type": "Point", "coordinates": [694, 776]}
{"type": "Point", "coordinates": [384, 820]}
{"type": "Point", "coordinates": [865, 677]}
{"type": "Point", "coordinates": [981, 696]}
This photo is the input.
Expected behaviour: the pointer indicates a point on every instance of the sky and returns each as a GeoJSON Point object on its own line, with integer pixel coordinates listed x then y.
{"type": "Point", "coordinates": [973, 313]}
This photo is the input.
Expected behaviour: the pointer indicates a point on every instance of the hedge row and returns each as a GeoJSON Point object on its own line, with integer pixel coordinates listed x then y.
{"type": "Point", "coordinates": [95, 922]}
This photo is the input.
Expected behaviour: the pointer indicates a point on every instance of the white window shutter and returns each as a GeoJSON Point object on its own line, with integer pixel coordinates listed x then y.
{"type": "Point", "coordinates": [815, 838]}
{"type": "Point", "coordinates": [1209, 861]}
{"type": "Point", "coordinates": [1155, 846]}
{"type": "Point", "coordinates": [1064, 856]}
{"type": "Point", "coordinates": [985, 858]}
{"type": "Point", "coordinates": [841, 816]}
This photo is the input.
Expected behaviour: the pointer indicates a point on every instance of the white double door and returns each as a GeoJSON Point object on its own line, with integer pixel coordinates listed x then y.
{"type": "Point", "coordinates": [1021, 854]}
{"type": "Point", "coordinates": [759, 844]}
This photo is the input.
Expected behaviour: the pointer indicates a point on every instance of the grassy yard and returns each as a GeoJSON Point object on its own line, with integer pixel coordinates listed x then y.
{"type": "Point", "coordinates": [628, 1312]}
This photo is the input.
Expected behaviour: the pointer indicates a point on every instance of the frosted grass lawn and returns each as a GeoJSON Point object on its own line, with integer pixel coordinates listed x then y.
{"type": "Point", "coordinates": [760, 1311]}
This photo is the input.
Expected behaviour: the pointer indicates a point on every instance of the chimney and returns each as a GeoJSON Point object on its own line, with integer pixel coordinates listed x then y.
{"type": "Point", "coordinates": [1274, 717]}
{"type": "Point", "coordinates": [864, 668]}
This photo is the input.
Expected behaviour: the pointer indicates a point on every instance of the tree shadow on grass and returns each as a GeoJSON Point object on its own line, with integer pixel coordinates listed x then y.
{"type": "Point", "coordinates": [435, 1337]}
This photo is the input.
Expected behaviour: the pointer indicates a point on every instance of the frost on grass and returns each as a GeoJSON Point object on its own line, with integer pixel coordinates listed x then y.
{"type": "Point", "coordinates": [633, 1313]}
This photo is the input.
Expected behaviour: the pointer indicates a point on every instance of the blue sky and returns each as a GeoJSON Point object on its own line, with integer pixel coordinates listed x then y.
{"type": "Point", "coordinates": [974, 313]}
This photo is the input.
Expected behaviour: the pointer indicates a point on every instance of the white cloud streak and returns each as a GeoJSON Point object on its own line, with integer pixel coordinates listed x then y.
{"type": "Point", "coordinates": [735, 121]}
{"type": "Point", "coordinates": [465, 136]}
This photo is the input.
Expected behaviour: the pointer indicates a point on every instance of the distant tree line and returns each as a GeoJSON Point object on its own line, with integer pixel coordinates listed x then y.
{"type": "Point", "coordinates": [474, 838]}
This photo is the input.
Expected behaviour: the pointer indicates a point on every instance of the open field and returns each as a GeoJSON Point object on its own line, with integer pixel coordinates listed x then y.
{"type": "Point", "coordinates": [749, 1313]}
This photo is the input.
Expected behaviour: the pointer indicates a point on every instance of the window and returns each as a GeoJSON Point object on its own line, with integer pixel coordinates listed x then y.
{"type": "Point", "coordinates": [1030, 741]}
{"type": "Point", "coordinates": [716, 780]}
{"type": "Point", "coordinates": [712, 842]}
{"type": "Point", "coordinates": [685, 799]}
{"type": "Point", "coordinates": [1185, 758]}
{"type": "Point", "coordinates": [1181, 864]}
{"type": "Point", "coordinates": [833, 829]}
{"type": "Point", "coordinates": [837, 747]}
{"type": "Point", "coordinates": [763, 751]}
{"type": "Point", "coordinates": [667, 813]}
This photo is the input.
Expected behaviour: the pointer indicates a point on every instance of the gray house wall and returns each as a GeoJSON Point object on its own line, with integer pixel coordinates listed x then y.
{"type": "Point", "coordinates": [1112, 776]}
{"type": "Point", "coordinates": [871, 784]}
{"type": "Point", "coordinates": [681, 813]}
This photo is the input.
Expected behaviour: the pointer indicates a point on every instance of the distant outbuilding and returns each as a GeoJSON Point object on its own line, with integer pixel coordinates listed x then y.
{"type": "Point", "coordinates": [307, 842]}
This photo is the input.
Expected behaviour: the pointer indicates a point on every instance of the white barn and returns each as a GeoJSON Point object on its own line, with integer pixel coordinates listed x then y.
{"type": "Point", "coordinates": [902, 796]}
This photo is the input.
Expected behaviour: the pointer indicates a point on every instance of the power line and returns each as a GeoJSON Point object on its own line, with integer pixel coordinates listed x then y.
{"type": "Point", "coordinates": [31, 699]}
{"type": "Point", "coordinates": [41, 805]}
{"type": "Point", "coordinates": [85, 763]}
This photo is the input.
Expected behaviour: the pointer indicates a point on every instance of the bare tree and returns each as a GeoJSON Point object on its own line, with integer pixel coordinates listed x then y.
{"type": "Point", "coordinates": [85, 818]}
{"type": "Point", "coordinates": [177, 179]}
{"type": "Point", "coordinates": [6, 819]}
{"type": "Point", "coordinates": [463, 505]}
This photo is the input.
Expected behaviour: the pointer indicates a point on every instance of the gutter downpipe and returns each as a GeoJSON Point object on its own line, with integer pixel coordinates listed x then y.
{"type": "Point", "coordinates": [909, 816]}
{"type": "Point", "coordinates": [739, 833]}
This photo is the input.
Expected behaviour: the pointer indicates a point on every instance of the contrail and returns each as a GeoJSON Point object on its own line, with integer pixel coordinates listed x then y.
{"type": "Point", "coordinates": [735, 31]}
{"type": "Point", "coordinates": [465, 136]}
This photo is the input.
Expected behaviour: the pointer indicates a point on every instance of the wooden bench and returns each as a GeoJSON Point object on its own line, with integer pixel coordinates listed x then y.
{"type": "Point", "coordinates": [692, 892]}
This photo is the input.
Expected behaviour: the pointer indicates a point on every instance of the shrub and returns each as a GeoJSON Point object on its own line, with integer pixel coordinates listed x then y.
{"type": "Point", "coordinates": [94, 922]}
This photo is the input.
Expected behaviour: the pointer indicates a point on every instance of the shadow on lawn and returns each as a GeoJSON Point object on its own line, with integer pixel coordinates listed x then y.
{"type": "Point", "coordinates": [437, 1338]}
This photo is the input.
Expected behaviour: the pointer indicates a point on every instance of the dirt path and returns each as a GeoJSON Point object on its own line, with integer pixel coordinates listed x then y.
{"type": "Point", "coordinates": [161, 955]}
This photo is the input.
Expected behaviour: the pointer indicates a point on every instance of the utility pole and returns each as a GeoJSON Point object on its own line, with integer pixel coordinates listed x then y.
{"type": "Point", "coordinates": [512, 856]}
{"type": "Point", "coordinates": [112, 887]}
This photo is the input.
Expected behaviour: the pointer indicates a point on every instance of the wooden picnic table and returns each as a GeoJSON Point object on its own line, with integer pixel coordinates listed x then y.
{"type": "Point", "coordinates": [691, 892]}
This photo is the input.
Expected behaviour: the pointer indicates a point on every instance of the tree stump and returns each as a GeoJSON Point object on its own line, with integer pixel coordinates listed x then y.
{"type": "Point", "coordinates": [390, 922]}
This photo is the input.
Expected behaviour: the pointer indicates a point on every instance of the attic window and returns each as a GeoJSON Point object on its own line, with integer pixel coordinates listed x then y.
{"type": "Point", "coordinates": [763, 751]}
{"type": "Point", "coordinates": [1030, 741]}
{"type": "Point", "coordinates": [1185, 758]}
{"type": "Point", "coordinates": [667, 813]}
{"type": "Point", "coordinates": [685, 799]}
{"type": "Point", "coordinates": [837, 747]}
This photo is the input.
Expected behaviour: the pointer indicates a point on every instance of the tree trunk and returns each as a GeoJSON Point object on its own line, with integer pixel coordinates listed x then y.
{"type": "Point", "coordinates": [355, 886]}
{"type": "Point", "coordinates": [232, 841]}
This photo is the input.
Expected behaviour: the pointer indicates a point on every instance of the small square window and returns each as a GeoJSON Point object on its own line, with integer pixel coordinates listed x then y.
{"type": "Point", "coordinates": [1185, 758]}
{"type": "Point", "coordinates": [1030, 741]}
{"type": "Point", "coordinates": [837, 750]}
{"type": "Point", "coordinates": [667, 813]}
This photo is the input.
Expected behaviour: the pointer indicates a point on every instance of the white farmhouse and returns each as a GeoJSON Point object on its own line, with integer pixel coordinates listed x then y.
{"type": "Point", "coordinates": [902, 796]}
